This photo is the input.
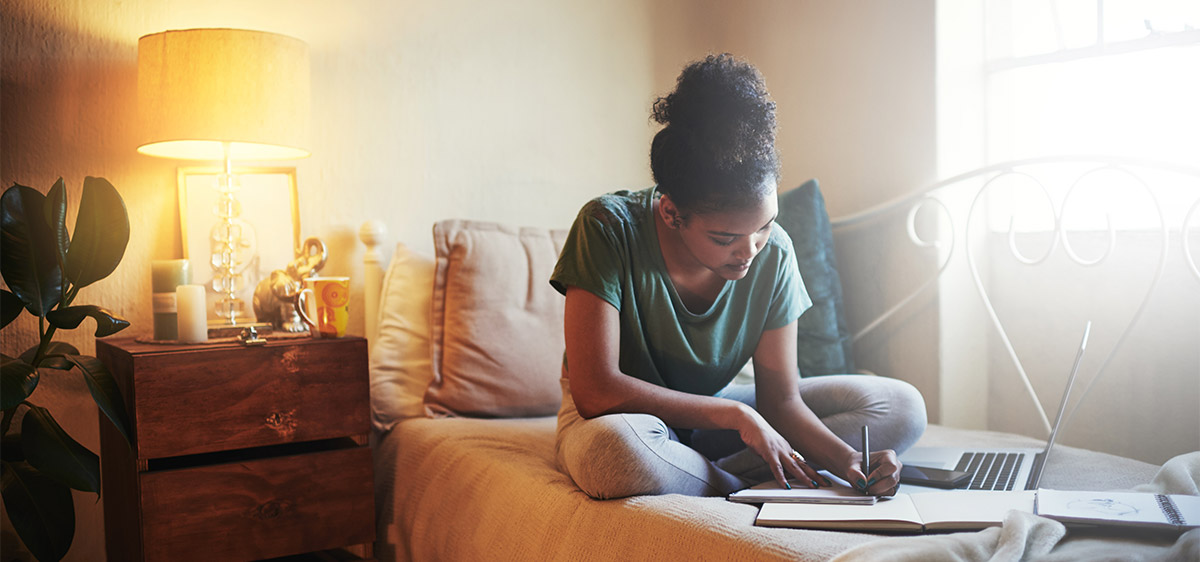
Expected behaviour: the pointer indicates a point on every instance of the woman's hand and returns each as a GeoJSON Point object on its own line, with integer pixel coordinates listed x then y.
{"type": "Point", "coordinates": [884, 477]}
{"type": "Point", "coordinates": [782, 459]}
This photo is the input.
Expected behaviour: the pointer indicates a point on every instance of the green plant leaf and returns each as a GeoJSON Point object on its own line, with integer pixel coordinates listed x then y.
{"type": "Point", "coordinates": [10, 307]}
{"type": "Point", "coordinates": [55, 212]}
{"type": "Point", "coordinates": [50, 359]}
{"type": "Point", "coordinates": [41, 510]}
{"type": "Point", "coordinates": [17, 381]}
{"type": "Point", "coordinates": [27, 256]}
{"type": "Point", "coordinates": [70, 317]}
{"type": "Point", "coordinates": [5, 422]}
{"type": "Point", "coordinates": [10, 445]}
{"type": "Point", "coordinates": [101, 233]}
{"type": "Point", "coordinates": [51, 450]}
{"type": "Point", "coordinates": [105, 392]}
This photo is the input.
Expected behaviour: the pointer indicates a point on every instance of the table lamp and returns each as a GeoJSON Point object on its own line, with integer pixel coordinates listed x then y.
{"type": "Point", "coordinates": [224, 95]}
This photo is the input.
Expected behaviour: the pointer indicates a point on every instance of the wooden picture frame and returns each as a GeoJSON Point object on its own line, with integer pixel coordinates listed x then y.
{"type": "Point", "coordinates": [270, 210]}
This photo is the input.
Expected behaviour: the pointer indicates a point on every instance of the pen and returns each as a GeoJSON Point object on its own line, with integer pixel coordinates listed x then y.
{"type": "Point", "coordinates": [866, 458]}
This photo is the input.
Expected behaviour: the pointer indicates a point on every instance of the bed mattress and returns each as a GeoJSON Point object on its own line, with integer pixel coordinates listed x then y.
{"type": "Point", "coordinates": [474, 489]}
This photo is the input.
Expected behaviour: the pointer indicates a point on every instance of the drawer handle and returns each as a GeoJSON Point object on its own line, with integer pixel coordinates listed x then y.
{"type": "Point", "coordinates": [270, 510]}
{"type": "Point", "coordinates": [284, 423]}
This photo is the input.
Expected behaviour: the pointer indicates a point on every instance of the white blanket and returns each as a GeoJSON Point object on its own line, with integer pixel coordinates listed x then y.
{"type": "Point", "coordinates": [1025, 536]}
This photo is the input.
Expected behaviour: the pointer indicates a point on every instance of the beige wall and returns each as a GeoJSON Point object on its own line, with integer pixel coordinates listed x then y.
{"type": "Point", "coordinates": [514, 111]}
{"type": "Point", "coordinates": [853, 80]}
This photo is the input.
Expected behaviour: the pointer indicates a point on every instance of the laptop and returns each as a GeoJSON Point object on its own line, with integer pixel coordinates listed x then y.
{"type": "Point", "coordinates": [995, 469]}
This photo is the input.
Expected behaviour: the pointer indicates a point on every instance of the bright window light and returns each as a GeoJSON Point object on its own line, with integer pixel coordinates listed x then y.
{"type": "Point", "coordinates": [1093, 77]}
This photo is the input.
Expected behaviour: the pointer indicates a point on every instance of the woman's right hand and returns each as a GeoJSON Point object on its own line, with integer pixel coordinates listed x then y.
{"type": "Point", "coordinates": [779, 455]}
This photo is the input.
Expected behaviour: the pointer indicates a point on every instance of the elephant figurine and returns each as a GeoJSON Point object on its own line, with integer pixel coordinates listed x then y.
{"type": "Point", "coordinates": [275, 296]}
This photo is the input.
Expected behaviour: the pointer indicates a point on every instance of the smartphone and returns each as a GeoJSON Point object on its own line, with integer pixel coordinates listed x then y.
{"type": "Point", "coordinates": [933, 477]}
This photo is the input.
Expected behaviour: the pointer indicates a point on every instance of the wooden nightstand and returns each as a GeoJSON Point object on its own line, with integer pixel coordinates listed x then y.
{"type": "Point", "coordinates": [240, 453]}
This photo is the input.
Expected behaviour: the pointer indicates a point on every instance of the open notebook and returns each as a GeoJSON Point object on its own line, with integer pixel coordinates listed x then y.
{"type": "Point", "coordinates": [959, 510]}
{"type": "Point", "coordinates": [962, 510]}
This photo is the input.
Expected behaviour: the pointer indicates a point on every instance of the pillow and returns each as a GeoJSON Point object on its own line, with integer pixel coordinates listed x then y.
{"type": "Point", "coordinates": [496, 324]}
{"type": "Point", "coordinates": [824, 344]}
{"type": "Point", "coordinates": [401, 365]}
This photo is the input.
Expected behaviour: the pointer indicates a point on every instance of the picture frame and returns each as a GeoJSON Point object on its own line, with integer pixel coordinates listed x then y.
{"type": "Point", "coordinates": [270, 208]}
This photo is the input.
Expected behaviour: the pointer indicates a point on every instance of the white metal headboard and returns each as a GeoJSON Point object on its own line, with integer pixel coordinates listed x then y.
{"type": "Point", "coordinates": [1182, 182]}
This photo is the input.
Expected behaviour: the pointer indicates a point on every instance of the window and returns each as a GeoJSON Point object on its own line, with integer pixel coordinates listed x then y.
{"type": "Point", "coordinates": [1076, 77]}
{"type": "Point", "coordinates": [1093, 77]}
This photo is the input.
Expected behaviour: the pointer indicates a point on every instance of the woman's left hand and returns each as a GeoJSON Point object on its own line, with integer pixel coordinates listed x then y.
{"type": "Point", "coordinates": [884, 477]}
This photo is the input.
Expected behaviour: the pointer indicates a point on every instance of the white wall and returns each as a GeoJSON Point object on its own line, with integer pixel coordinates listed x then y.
{"type": "Point", "coordinates": [853, 80]}
{"type": "Point", "coordinates": [497, 111]}
{"type": "Point", "coordinates": [960, 148]}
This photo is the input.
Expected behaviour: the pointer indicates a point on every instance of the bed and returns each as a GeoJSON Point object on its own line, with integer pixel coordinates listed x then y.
{"type": "Point", "coordinates": [465, 350]}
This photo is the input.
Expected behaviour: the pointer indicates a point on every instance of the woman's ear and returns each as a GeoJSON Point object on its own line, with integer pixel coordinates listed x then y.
{"type": "Point", "coordinates": [670, 213]}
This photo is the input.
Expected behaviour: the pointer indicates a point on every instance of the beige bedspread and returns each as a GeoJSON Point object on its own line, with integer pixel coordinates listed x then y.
{"type": "Point", "coordinates": [469, 489]}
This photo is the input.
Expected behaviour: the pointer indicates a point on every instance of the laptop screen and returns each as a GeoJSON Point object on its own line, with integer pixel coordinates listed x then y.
{"type": "Point", "coordinates": [1062, 406]}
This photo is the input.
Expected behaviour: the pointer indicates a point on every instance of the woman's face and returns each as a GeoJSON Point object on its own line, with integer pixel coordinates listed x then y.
{"type": "Point", "coordinates": [726, 242]}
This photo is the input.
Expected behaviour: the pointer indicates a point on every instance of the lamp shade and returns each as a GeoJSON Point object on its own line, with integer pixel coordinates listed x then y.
{"type": "Point", "coordinates": [199, 89]}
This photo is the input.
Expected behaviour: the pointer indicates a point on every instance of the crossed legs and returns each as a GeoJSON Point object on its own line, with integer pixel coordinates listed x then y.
{"type": "Point", "coordinates": [620, 455]}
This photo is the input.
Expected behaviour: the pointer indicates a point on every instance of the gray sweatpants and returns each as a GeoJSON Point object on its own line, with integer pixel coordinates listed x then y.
{"type": "Point", "coordinates": [620, 455]}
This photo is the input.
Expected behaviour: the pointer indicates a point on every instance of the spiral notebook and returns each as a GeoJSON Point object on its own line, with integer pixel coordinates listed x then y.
{"type": "Point", "coordinates": [1125, 509]}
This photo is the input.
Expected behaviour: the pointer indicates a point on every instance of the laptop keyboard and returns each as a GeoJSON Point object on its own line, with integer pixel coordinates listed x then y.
{"type": "Point", "coordinates": [991, 471]}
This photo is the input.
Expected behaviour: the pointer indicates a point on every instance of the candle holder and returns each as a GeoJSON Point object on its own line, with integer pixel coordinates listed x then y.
{"type": "Point", "coordinates": [166, 276]}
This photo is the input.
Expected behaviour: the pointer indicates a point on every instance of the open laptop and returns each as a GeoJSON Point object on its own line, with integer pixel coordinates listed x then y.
{"type": "Point", "coordinates": [995, 469]}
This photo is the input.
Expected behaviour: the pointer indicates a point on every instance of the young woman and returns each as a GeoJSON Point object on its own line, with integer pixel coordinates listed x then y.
{"type": "Point", "coordinates": [671, 290]}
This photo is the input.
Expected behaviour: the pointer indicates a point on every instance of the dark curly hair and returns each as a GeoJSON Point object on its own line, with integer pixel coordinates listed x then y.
{"type": "Point", "coordinates": [717, 149]}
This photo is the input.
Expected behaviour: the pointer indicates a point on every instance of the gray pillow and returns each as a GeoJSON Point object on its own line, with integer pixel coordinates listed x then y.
{"type": "Point", "coordinates": [824, 343]}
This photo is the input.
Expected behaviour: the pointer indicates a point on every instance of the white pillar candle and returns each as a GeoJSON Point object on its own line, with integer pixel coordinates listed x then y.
{"type": "Point", "coordinates": [192, 310]}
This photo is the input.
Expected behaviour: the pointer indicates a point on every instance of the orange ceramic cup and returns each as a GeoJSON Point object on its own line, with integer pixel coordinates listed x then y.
{"type": "Point", "coordinates": [323, 305]}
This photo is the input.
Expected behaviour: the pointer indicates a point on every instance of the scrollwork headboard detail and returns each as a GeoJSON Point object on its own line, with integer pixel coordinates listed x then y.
{"type": "Point", "coordinates": [982, 200]}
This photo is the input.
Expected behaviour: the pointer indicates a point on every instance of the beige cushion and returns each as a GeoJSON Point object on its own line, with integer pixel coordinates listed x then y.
{"type": "Point", "coordinates": [496, 323]}
{"type": "Point", "coordinates": [401, 364]}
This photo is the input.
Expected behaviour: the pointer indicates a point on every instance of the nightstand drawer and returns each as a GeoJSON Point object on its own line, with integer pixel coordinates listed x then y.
{"type": "Point", "coordinates": [259, 508]}
{"type": "Point", "coordinates": [237, 397]}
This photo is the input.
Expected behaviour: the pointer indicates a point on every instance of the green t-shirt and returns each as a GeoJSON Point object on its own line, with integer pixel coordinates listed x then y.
{"type": "Point", "coordinates": [612, 251]}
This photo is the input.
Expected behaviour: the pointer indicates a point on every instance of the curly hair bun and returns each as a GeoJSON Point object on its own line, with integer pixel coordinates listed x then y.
{"type": "Point", "coordinates": [722, 106]}
{"type": "Point", "coordinates": [718, 144]}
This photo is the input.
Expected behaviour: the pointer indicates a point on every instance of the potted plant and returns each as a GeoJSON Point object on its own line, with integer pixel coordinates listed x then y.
{"type": "Point", "coordinates": [44, 269]}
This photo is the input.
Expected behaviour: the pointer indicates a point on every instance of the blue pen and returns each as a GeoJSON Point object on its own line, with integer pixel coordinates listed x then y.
{"type": "Point", "coordinates": [866, 458]}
